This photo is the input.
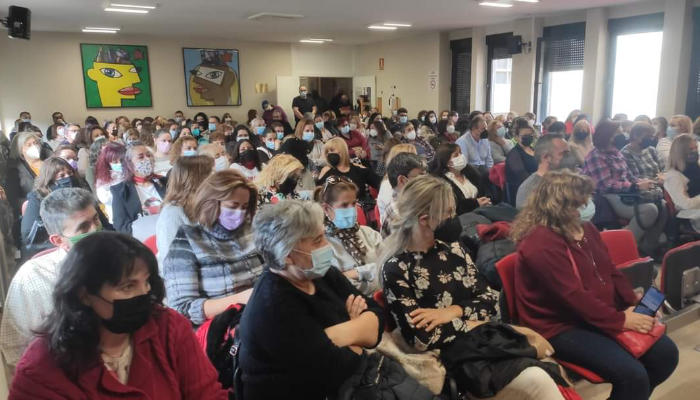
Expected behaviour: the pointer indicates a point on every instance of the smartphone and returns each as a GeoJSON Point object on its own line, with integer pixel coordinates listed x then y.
{"type": "Point", "coordinates": [651, 302]}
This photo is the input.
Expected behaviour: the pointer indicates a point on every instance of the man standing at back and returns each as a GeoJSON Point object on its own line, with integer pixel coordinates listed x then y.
{"type": "Point", "coordinates": [303, 104]}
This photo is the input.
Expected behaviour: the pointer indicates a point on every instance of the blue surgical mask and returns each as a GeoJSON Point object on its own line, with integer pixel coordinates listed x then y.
{"type": "Point", "coordinates": [241, 138]}
{"type": "Point", "coordinates": [345, 130]}
{"type": "Point", "coordinates": [321, 260]}
{"type": "Point", "coordinates": [280, 135]}
{"type": "Point", "coordinates": [587, 211]}
{"type": "Point", "coordinates": [212, 127]}
{"type": "Point", "coordinates": [270, 145]}
{"type": "Point", "coordinates": [173, 133]}
{"type": "Point", "coordinates": [319, 125]}
{"type": "Point", "coordinates": [308, 136]}
{"type": "Point", "coordinates": [26, 120]}
{"type": "Point", "coordinates": [260, 130]}
{"type": "Point", "coordinates": [116, 167]}
{"type": "Point", "coordinates": [345, 217]}
{"type": "Point", "coordinates": [403, 119]}
{"type": "Point", "coordinates": [671, 132]}
{"type": "Point", "coordinates": [189, 153]}
{"type": "Point", "coordinates": [195, 132]}
{"type": "Point", "coordinates": [502, 131]}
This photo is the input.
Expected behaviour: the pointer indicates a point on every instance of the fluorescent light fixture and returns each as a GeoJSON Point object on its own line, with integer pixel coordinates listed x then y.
{"type": "Point", "coordinates": [86, 30]}
{"type": "Point", "coordinates": [132, 6]}
{"type": "Point", "coordinates": [495, 4]}
{"type": "Point", "coordinates": [312, 41]}
{"type": "Point", "coordinates": [98, 28]}
{"type": "Point", "coordinates": [126, 10]}
{"type": "Point", "coordinates": [397, 24]}
{"type": "Point", "coordinates": [320, 40]}
{"type": "Point", "coordinates": [382, 28]}
{"type": "Point", "coordinates": [528, 1]}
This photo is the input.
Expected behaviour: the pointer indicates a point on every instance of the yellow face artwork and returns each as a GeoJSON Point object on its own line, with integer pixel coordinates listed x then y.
{"type": "Point", "coordinates": [115, 82]}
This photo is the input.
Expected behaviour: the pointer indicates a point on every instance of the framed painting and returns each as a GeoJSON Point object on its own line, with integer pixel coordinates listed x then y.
{"type": "Point", "coordinates": [212, 77]}
{"type": "Point", "coordinates": [116, 76]}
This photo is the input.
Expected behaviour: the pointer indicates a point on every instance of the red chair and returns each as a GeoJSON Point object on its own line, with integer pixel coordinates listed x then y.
{"type": "Point", "coordinates": [506, 270]}
{"type": "Point", "coordinates": [377, 215]}
{"type": "Point", "coordinates": [497, 175]}
{"type": "Point", "coordinates": [361, 217]}
{"type": "Point", "coordinates": [389, 323]}
{"type": "Point", "coordinates": [621, 245]}
{"type": "Point", "coordinates": [150, 242]}
{"type": "Point", "coordinates": [676, 261]}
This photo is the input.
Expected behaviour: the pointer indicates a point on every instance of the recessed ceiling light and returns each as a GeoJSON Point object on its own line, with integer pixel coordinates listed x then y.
{"type": "Point", "coordinates": [148, 7]}
{"type": "Point", "coordinates": [382, 28]}
{"type": "Point", "coordinates": [495, 4]}
{"type": "Point", "coordinates": [126, 10]}
{"type": "Point", "coordinates": [86, 30]}
{"type": "Point", "coordinates": [397, 24]}
{"type": "Point", "coordinates": [312, 41]}
{"type": "Point", "coordinates": [98, 28]}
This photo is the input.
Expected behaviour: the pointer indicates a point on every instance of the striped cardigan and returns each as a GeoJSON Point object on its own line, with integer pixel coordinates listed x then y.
{"type": "Point", "coordinates": [206, 263]}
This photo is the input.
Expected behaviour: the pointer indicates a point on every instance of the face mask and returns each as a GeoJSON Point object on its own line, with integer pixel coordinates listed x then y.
{"type": "Point", "coordinates": [303, 93]}
{"type": "Point", "coordinates": [308, 136]}
{"type": "Point", "coordinates": [422, 119]}
{"type": "Point", "coordinates": [116, 167]}
{"type": "Point", "coordinates": [671, 132]}
{"type": "Point", "coordinates": [319, 125]}
{"type": "Point", "coordinates": [484, 135]}
{"type": "Point", "coordinates": [373, 132]}
{"type": "Point", "coordinates": [526, 141]}
{"type": "Point", "coordinates": [449, 230]}
{"type": "Point", "coordinates": [195, 132]}
{"type": "Point", "coordinates": [403, 119]}
{"type": "Point", "coordinates": [163, 147]}
{"type": "Point", "coordinates": [246, 155]}
{"type": "Point", "coordinates": [212, 127]}
{"type": "Point", "coordinates": [692, 158]}
{"type": "Point", "coordinates": [459, 162]}
{"type": "Point", "coordinates": [26, 120]}
{"type": "Point", "coordinates": [647, 142]}
{"type": "Point", "coordinates": [73, 164]}
{"type": "Point", "coordinates": [62, 183]}
{"type": "Point", "coordinates": [61, 132]}
{"type": "Point", "coordinates": [71, 135]}
{"type": "Point", "coordinates": [33, 153]}
{"type": "Point", "coordinates": [173, 133]}
{"type": "Point", "coordinates": [280, 135]}
{"type": "Point", "coordinates": [321, 260]}
{"type": "Point", "coordinates": [189, 153]}
{"type": "Point", "coordinates": [433, 120]}
{"type": "Point", "coordinates": [240, 138]}
{"type": "Point", "coordinates": [270, 145]}
{"type": "Point", "coordinates": [178, 119]}
{"type": "Point", "coordinates": [501, 131]}
{"type": "Point", "coordinates": [333, 159]}
{"type": "Point", "coordinates": [450, 129]}
{"type": "Point", "coordinates": [411, 135]}
{"type": "Point", "coordinates": [345, 130]}
{"type": "Point", "coordinates": [75, 239]}
{"type": "Point", "coordinates": [220, 163]}
{"type": "Point", "coordinates": [345, 217]}
{"type": "Point", "coordinates": [288, 186]}
{"type": "Point", "coordinates": [587, 211]}
{"type": "Point", "coordinates": [231, 218]}
{"type": "Point", "coordinates": [580, 136]}
{"type": "Point", "coordinates": [531, 122]}
{"type": "Point", "coordinates": [144, 167]}
{"type": "Point", "coordinates": [129, 314]}
{"type": "Point", "coordinates": [260, 130]}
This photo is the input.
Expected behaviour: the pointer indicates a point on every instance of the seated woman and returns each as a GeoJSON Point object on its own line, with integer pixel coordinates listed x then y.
{"type": "Point", "coordinates": [640, 154]}
{"type": "Point", "coordinates": [320, 128]}
{"type": "Point", "coordinates": [377, 136]}
{"type": "Point", "coordinates": [439, 300]}
{"type": "Point", "coordinates": [520, 162]}
{"type": "Point", "coordinates": [355, 141]}
{"type": "Point", "coordinates": [355, 247]}
{"type": "Point", "coordinates": [581, 142]}
{"type": "Point", "coordinates": [579, 312]}
{"type": "Point", "coordinates": [245, 159]}
{"type": "Point", "coordinates": [677, 125]}
{"type": "Point", "coordinates": [184, 180]}
{"type": "Point", "coordinates": [279, 180]}
{"type": "Point", "coordinates": [217, 153]}
{"type": "Point", "coordinates": [139, 197]}
{"type": "Point", "coordinates": [184, 146]}
{"type": "Point", "coordinates": [682, 180]}
{"type": "Point", "coordinates": [500, 146]}
{"type": "Point", "coordinates": [306, 132]}
{"type": "Point", "coordinates": [335, 151]}
{"type": "Point", "coordinates": [214, 264]}
{"type": "Point", "coordinates": [110, 336]}
{"type": "Point", "coordinates": [305, 325]}
{"type": "Point", "coordinates": [163, 142]}
{"type": "Point", "coordinates": [408, 135]}
{"type": "Point", "coordinates": [22, 168]}
{"type": "Point", "coordinates": [616, 182]}
{"type": "Point", "coordinates": [450, 164]}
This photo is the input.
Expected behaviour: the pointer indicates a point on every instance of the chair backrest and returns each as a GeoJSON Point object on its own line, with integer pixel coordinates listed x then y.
{"type": "Point", "coordinates": [621, 245]}
{"type": "Point", "coordinates": [640, 272]}
{"type": "Point", "coordinates": [361, 217]}
{"type": "Point", "coordinates": [506, 270]}
{"type": "Point", "coordinates": [151, 243]}
{"type": "Point", "coordinates": [675, 262]}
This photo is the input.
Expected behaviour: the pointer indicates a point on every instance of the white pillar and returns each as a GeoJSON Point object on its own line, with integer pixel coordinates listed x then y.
{"type": "Point", "coordinates": [675, 58]}
{"type": "Point", "coordinates": [522, 87]}
{"type": "Point", "coordinates": [595, 59]}
{"type": "Point", "coordinates": [478, 81]}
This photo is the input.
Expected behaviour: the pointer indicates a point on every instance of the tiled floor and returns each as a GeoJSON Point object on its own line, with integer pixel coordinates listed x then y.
{"type": "Point", "coordinates": [684, 384]}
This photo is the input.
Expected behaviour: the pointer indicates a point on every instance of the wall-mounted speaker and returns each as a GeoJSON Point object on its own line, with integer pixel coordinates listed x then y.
{"type": "Point", "coordinates": [18, 22]}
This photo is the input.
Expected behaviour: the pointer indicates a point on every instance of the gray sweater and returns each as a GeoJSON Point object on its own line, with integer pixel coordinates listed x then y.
{"type": "Point", "coordinates": [525, 189]}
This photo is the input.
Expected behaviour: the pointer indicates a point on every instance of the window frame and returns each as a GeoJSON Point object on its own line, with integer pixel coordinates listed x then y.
{"type": "Point", "coordinates": [493, 42]}
{"type": "Point", "coordinates": [461, 46]}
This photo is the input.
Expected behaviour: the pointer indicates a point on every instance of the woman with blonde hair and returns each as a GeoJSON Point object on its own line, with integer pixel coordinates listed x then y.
{"type": "Point", "coordinates": [336, 154]}
{"type": "Point", "coordinates": [581, 142]}
{"type": "Point", "coordinates": [386, 192]}
{"type": "Point", "coordinates": [214, 264]}
{"type": "Point", "coordinates": [184, 180]}
{"type": "Point", "coordinates": [568, 290]}
{"type": "Point", "coordinates": [682, 180]}
{"type": "Point", "coordinates": [306, 131]}
{"type": "Point", "coordinates": [184, 146]}
{"type": "Point", "coordinates": [440, 301]}
{"type": "Point", "coordinates": [279, 180]}
{"type": "Point", "coordinates": [500, 146]}
{"type": "Point", "coordinates": [677, 125]}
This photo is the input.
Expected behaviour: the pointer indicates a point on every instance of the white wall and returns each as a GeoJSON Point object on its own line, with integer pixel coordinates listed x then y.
{"type": "Point", "coordinates": [326, 60]}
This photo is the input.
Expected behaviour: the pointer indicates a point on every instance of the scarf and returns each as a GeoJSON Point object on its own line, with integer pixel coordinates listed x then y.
{"type": "Point", "coordinates": [140, 180]}
{"type": "Point", "coordinates": [350, 240]}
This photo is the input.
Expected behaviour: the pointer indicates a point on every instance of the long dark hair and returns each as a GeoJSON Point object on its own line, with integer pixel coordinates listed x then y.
{"type": "Point", "coordinates": [233, 149]}
{"type": "Point", "coordinates": [49, 168]}
{"type": "Point", "coordinates": [71, 331]}
{"type": "Point", "coordinates": [439, 164]}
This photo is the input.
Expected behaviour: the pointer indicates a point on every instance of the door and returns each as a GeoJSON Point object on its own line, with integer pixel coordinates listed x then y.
{"type": "Point", "coordinates": [287, 90]}
{"type": "Point", "coordinates": [365, 87]}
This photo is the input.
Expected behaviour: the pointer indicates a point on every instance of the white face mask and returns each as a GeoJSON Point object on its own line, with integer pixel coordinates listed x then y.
{"type": "Point", "coordinates": [220, 164]}
{"type": "Point", "coordinates": [459, 162]}
{"type": "Point", "coordinates": [33, 153]}
{"type": "Point", "coordinates": [450, 129]}
{"type": "Point", "coordinates": [411, 135]}
{"type": "Point", "coordinates": [373, 132]}
{"type": "Point", "coordinates": [353, 126]}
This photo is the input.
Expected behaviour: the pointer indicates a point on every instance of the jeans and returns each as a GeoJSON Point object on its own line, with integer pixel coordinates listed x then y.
{"type": "Point", "coordinates": [632, 379]}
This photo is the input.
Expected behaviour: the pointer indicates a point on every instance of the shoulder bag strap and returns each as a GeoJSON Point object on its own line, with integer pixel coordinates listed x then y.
{"type": "Point", "coordinates": [573, 263]}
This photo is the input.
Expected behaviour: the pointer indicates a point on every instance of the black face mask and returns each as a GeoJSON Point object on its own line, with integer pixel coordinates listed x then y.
{"type": "Point", "coordinates": [288, 186]}
{"type": "Point", "coordinates": [449, 230]}
{"type": "Point", "coordinates": [246, 156]}
{"type": "Point", "coordinates": [484, 135]}
{"type": "Point", "coordinates": [129, 314]}
{"type": "Point", "coordinates": [67, 182]}
{"type": "Point", "coordinates": [333, 159]}
{"type": "Point", "coordinates": [526, 141]}
{"type": "Point", "coordinates": [647, 142]}
{"type": "Point", "coordinates": [580, 136]}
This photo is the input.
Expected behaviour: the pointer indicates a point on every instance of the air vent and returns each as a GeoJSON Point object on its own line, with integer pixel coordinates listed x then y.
{"type": "Point", "coordinates": [266, 16]}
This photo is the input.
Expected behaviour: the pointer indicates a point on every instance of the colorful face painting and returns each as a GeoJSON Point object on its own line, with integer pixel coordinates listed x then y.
{"type": "Point", "coordinates": [116, 75]}
{"type": "Point", "coordinates": [212, 77]}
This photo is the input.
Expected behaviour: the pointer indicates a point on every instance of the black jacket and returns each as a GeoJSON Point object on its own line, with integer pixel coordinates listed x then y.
{"type": "Point", "coordinates": [463, 204]}
{"type": "Point", "coordinates": [20, 181]}
{"type": "Point", "coordinates": [126, 205]}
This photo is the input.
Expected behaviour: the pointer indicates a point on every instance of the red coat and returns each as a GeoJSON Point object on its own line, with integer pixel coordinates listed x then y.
{"type": "Point", "coordinates": [168, 363]}
{"type": "Point", "coordinates": [356, 140]}
{"type": "Point", "coordinates": [549, 297]}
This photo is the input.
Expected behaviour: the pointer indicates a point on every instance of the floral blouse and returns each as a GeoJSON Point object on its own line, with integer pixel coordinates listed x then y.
{"type": "Point", "coordinates": [442, 277]}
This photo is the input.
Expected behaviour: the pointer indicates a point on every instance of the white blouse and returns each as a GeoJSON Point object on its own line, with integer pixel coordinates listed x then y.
{"type": "Point", "coordinates": [468, 189]}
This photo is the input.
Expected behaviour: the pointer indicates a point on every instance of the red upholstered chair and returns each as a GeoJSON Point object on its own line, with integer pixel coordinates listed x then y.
{"type": "Point", "coordinates": [150, 242]}
{"type": "Point", "coordinates": [676, 262]}
{"type": "Point", "coordinates": [506, 270]}
{"type": "Point", "coordinates": [621, 245]}
{"type": "Point", "coordinates": [389, 323]}
{"type": "Point", "coordinates": [361, 217]}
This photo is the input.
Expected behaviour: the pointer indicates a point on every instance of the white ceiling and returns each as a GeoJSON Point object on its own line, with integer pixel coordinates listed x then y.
{"type": "Point", "coordinates": [345, 21]}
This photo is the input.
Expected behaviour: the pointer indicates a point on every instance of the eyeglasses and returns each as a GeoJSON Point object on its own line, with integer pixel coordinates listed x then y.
{"type": "Point", "coordinates": [334, 180]}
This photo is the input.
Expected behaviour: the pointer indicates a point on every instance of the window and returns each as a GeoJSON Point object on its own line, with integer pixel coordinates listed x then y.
{"type": "Point", "coordinates": [693, 103]}
{"type": "Point", "coordinates": [562, 49]}
{"type": "Point", "coordinates": [500, 71]}
{"type": "Point", "coordinates": [635, 60]}
{"type": "Point", "coordinates": [461, 75]}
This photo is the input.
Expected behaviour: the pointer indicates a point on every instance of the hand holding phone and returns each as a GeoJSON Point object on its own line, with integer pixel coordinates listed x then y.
{"type": "Point", "coordinates": [651, 302]}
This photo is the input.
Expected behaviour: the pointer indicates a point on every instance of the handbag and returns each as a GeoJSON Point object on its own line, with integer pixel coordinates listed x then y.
{"type": "Point", "coordinates": [633, 342]}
